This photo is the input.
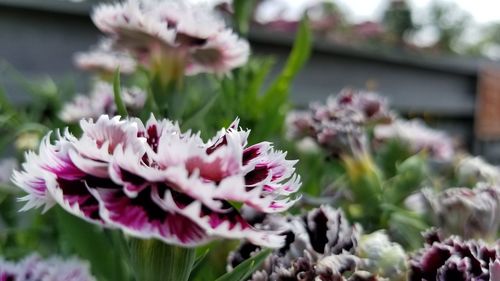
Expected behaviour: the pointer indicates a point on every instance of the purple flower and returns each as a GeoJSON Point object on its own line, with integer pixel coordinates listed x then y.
{"type": "Point", "coordinates": [191, 37]}
{"type": "Point", "coordinates": [34, 268]}
{"type": "Point", "coordinates": [104, 59]}
{"type": "Point", "coordinates": [101, 101]}
{"type": "Point", "coordinates": [419, 137]}
{"type": "Point", "coordinates": [320, 243]}
{"type": "Point", "coordinates": [453, 259]}
{"type": "Point", "coordinates": [154, 181]}
{"type": "Point", "coordinates": [340, 125]}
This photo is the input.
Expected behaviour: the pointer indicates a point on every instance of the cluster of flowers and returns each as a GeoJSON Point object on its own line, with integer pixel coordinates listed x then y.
{"type": "Point", "coordinates": [101, 101]}
{"type": "Point", "coordinates": [34, 268]}
{"type": "Point", "coordinates": [154, 181]}
{"type": "Point", "coordinates": [455, 259]}
{"type": "Point", "coordinates": [191, 38]}
{"type": "Point", "coordinates": [342, 124]}
{"type": "Point", "coordinates": [322, 245]}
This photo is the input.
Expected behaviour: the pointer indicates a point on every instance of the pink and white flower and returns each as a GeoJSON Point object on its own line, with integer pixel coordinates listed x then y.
{"type": "Point", "coordinates": [418, 136]}
{"type": "Point", "coordinates": [104, 59]}
{"type": "Point", "coordinates": [188, 36]}
{"type": "Point", "coordinates": [101, 101]}
{"type": "Point", "coordinates": [154, 181]}
{"type": "Point", "coordinates": [53, 269]}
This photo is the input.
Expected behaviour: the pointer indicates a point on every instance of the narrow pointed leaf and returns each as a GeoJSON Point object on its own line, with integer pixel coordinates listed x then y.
{"type": "Point", "coordinates": [246, 268]}
{"type": "Point", "coordinates": [120, 106]}
{"type": "Point", "coordinates": [200, 259]}
{"type": "Point", "coordinates": [296, 60]}
{"type": "Point", "coordinates": [275, 102]}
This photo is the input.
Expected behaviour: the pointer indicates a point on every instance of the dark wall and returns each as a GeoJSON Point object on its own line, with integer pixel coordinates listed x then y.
{"type": "Point", "coordinates": [41, 43]}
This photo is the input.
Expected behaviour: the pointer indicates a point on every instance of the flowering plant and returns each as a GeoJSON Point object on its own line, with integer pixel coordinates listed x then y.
{"type": "Point", "coordinates": [374, 185]}
{"type": "Point", "coordinates": [137, 177]}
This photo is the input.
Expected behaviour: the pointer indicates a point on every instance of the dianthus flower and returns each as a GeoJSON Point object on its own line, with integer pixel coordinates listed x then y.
{"type": "Point", "coordinates": [470, 213]}
{"type": "Point", "coordinates": [101, 101]}
{"type": "Point", "coordinates": [454, 259]}
{"type": "Point", "coordinates": [418, 136]}
{"type": "Point", "coordinates": [154, 181]}
{"type": "Point", "coordinates": [104, 59]}
{"type": "Point", "coordinates": [34, 268]}
{"type": "Point", "coordinates": [340, 125]}
{"type": "Point", "coordinates": [320, 245]}
{"type": "Point", "coordinates": [190, 38]}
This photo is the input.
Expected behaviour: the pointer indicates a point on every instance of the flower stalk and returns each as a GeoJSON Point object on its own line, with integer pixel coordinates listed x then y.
{"type": "Point", "coordinates": [365, 184]}
{"type": "Point", "coordinates": [154, 260]}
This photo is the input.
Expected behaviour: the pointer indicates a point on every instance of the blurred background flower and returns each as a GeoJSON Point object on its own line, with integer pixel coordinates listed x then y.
{"type": "Point", "coordinates": [453, 259]}
{"type": "Point", "coordinates": [34, 267]}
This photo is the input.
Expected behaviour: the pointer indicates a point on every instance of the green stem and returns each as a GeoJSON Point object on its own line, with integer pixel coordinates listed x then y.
{"type": "Point", "coordinates": [153, 260]}
{"type": "Point", "coordinates": [120, 106]}
{"type": "Point", "coordinates": [152, 105]}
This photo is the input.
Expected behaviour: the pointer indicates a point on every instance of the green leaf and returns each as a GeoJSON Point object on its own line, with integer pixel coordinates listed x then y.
{"type": "Point", "coordinates": [5, 105]}
{"type": "Point", "coordinates": [200, 259]}
{"type": "Point", "coordinates": [200, 112]}
{"type": "Point", "coordinates": [410, 175]}
{"type": "Point", "coordinates": [154, 260]}
{"type": "Point", "coordinates": [406, 228]}
{"type": "Point", "coordinates": [260, 69]}
{"type": "Point", "coordinates": [365, 184]}
{"type": "Point", "coordinates": [90, 243]}
{"type": "Point", "coordinates": [390, 155]}
{"type": "Point", "coordinates": [246, 268]}
{"type": "Point", "coordinates": [275, 103]}
{"type": "Point", "coordinates": [242, 14]}
{"type": "Point", "coordinates": [120, 106]}
{"type": "Point", "coordinates": [301, 51]}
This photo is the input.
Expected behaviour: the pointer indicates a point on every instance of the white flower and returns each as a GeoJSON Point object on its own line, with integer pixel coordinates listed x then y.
{"type": "Point", "coordinates": [52, 269]}
{"type": "Point", "coordinates": [101, 101]}
{"type": "Point", "coordinates": [418, 136]}
{"type": "Point", "coordinates": [476, 169]}
{"type": "Point", "coordinates": [103, 58]}
{"type": "Point", "coordinates": [380, 255]}
{"type": "Point", "coordinates": [470, 213]}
